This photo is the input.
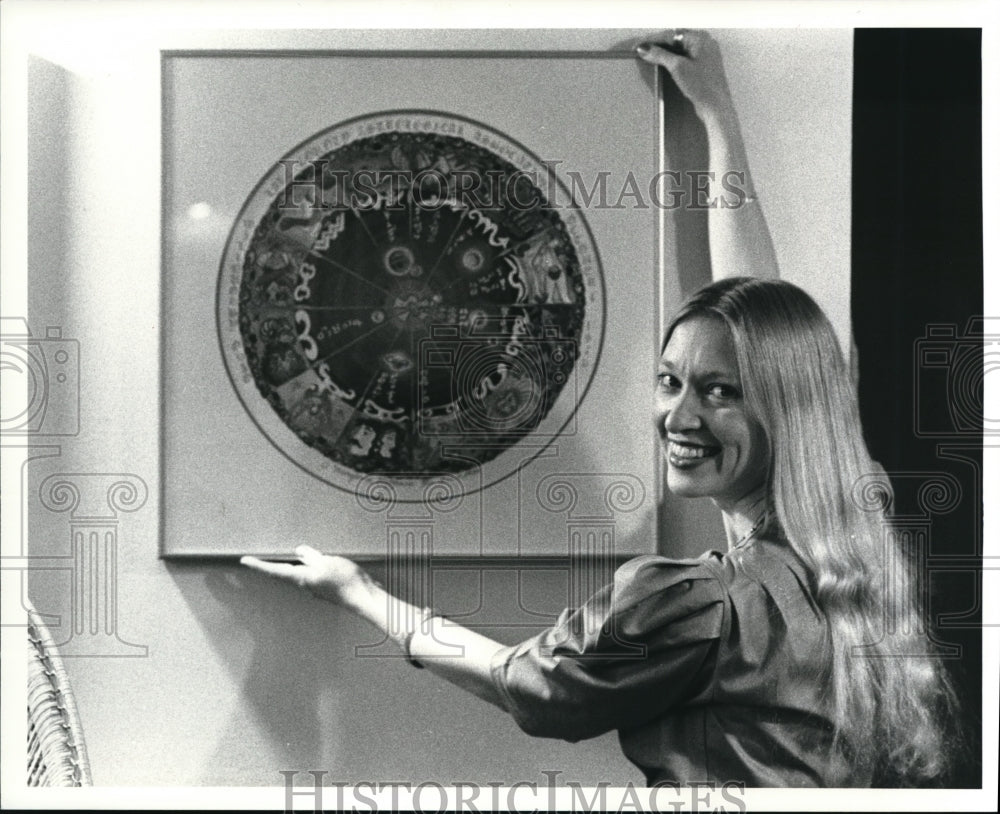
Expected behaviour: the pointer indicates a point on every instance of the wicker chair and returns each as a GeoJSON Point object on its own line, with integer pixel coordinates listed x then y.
{"type": "Point", "coordinates": [57, 755]}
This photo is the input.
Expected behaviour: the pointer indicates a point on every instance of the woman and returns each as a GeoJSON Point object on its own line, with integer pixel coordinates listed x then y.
{"type": "Point", "coordinates": [767, 664]}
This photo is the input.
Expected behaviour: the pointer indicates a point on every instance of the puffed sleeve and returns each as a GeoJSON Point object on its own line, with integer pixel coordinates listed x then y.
{"type": "Point", "coordinates": [642, 644]}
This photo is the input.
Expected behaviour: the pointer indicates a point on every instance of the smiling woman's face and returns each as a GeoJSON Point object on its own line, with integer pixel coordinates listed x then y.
{"type": "Point", "coordinates": [712, 446]}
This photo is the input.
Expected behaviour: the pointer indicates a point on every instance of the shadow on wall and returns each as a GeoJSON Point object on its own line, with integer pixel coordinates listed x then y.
{"type": "Point", "coordinates": [49, 199]}
{"type": "Point", "coordinates": [309, 700]}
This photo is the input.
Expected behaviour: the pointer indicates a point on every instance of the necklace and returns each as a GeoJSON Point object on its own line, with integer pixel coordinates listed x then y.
{"type": "Point", "coordinates": [746, 538]}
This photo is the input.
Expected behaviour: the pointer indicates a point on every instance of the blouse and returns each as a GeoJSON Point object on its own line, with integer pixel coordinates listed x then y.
{"type": "Point", "coordinates": [711, 669]}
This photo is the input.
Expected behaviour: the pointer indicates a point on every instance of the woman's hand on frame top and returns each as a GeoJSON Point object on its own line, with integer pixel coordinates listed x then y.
{"type": "Point", "coordinates": [739, 240]}
{"type": "Point", "coordinates": [694, 60]}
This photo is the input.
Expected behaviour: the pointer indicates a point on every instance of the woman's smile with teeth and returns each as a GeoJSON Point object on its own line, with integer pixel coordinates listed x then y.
{"type": "Point", "coordinates": [687, 451]}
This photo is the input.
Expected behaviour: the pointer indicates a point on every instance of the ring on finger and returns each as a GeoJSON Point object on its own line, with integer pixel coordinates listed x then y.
{"type": "Point", "coordinates": [681, 43]}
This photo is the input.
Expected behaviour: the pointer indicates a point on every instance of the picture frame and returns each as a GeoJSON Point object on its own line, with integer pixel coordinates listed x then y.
{"type": "Point", "coordinates": [236, 476]}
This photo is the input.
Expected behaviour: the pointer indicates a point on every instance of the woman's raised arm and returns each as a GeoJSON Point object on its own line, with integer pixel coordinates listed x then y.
{"type": "Point", "coordinates": [739, 240]}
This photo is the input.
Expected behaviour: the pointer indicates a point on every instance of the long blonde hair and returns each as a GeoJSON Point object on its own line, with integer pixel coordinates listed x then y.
{"type": "Point", "coordinates": [891, 699]}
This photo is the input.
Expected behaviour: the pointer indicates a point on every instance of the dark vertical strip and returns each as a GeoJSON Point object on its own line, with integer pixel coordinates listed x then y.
{"type": "Point", "coordinates": [917, 274]}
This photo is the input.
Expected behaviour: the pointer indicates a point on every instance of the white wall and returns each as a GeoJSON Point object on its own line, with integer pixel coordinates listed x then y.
{"type": "Point", "coordinates": [243, 678]}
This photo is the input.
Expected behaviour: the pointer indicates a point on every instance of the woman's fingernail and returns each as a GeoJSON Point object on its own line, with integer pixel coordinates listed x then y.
{"type": "Point", "coordinates": [642, 49]}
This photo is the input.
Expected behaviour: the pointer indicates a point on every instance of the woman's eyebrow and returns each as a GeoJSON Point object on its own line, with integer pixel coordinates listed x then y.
{"type": "Point", "coordinates": [718, 374]}
{"type": "Point", "coordinates": [728, 375]}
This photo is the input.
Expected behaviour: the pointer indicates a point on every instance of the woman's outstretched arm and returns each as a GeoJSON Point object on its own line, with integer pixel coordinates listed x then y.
{"type": "Point", "coordinates": [738, 237]}
{"type": "Point", "coordinates": [446, 649]}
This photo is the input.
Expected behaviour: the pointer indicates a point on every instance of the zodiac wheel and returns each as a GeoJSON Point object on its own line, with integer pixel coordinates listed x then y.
{"type": "Point", "coordinates": [399, 295]}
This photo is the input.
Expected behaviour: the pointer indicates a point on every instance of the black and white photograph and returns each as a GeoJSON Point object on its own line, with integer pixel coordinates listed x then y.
{"type": "Point", "coordinates": [505, 406]}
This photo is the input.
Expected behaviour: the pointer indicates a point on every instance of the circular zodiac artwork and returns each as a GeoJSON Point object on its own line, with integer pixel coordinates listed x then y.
{"type": "Point", "coordinates": [398, 296]}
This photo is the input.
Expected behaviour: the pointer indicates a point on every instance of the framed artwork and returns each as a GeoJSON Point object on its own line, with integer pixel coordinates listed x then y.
{"type": "Point", "coordinates": [409, 303]}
